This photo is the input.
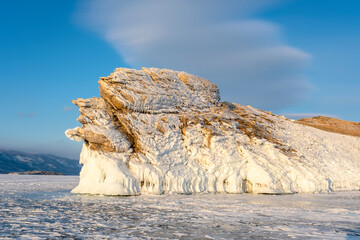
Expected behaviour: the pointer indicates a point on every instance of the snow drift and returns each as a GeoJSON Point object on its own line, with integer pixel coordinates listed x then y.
{"type": "Point", "coordinates": [157, 131]}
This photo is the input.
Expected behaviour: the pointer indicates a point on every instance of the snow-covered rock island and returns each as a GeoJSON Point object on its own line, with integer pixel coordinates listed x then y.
{"type": "Point", "coordinates": [156, 131]}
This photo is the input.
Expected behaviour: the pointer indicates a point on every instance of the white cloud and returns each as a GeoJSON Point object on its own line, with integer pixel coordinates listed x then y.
{"type": "Point", "coordinates": [29, 115]}
{"type": "Point", "coordinates": [222, 41]}
{"type": "Point", "coordinates": [298, 116]}
{"type": "Point", "coordinates": [68, 108]}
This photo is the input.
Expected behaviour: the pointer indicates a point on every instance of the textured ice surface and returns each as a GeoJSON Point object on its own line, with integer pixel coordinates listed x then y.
{"type": "Point", "coordinates": [42, 207]}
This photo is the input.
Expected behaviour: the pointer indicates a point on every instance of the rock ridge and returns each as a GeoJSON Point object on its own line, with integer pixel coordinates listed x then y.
{"type": "Point", "coordinates": [157, 131]}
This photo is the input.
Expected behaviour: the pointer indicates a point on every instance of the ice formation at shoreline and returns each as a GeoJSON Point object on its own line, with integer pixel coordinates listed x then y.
{"type": "Point", "coordinates": [159, 131]}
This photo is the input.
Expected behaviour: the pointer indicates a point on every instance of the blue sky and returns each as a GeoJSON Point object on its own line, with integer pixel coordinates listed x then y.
{"type": "Point", "coordinates": [330, 32]}
{"type": "Point", "coordinates": [304, 57]}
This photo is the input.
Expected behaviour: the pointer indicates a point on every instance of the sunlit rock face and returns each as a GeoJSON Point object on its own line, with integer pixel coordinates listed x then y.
{"type": "Point", "coordinates": [156, 131]}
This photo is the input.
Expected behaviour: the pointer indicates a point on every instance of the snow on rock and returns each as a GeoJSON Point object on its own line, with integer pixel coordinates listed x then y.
{"type": "Point", "coordinates": [156, 131]}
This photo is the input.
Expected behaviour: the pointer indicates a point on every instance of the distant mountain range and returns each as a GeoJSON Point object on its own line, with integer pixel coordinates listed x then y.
{"type": "Point", "coordinates": [15, 161]}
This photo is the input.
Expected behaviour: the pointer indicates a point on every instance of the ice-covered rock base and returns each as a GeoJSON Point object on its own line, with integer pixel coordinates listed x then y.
{"type": "Point", "coordinates": [161, 131]}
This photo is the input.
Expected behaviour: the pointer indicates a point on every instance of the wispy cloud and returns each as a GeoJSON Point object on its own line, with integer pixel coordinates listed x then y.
{"type": "Point", "coordinates": [68, 108]}
{"type": "Point", "coordinates": [298, 116]}
{"type": "Point", "coordinates": [222, 41]}
{"type": "Point", "coordinates": [23, 114]}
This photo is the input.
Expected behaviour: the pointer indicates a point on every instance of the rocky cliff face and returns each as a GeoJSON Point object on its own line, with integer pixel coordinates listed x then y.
{"type": "Point", "coordinates": [162, 131]}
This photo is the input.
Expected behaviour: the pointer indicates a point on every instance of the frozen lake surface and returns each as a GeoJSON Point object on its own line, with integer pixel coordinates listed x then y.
{"type": "Point", "coordinates": [42, 207]}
